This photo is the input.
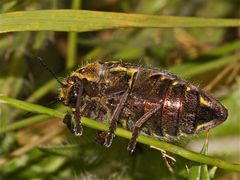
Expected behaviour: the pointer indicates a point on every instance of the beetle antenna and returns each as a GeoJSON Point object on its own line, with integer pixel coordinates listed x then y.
{"type": "Point", "coordinates": [49, 70]}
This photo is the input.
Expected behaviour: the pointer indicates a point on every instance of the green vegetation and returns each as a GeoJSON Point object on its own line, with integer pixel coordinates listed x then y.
{"type": "Point", "coordinates": [199, 41]}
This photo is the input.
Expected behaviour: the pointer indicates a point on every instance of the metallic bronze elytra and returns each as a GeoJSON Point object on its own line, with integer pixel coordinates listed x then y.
{"type": "Point", "coordinates": [140, 99]}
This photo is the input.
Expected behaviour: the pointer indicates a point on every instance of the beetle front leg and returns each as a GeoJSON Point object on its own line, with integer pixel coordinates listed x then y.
{"type": "Point", "coordinates": [77, 117]}
{"type": "Point", "coordinates": [75, 127]}
{"type": "Point", "coordinates": [68, 121]}
{"type": "Point", "coordinates": [101, 135]}
{"type": "Point", "coordinates": [100, 138]}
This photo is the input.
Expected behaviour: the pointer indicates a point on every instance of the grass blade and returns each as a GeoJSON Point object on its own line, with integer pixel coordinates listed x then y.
{"type": "Point", "coordinates": [197, 157]}
{"type": "Point", "coordinates": [191, 69]}
{"type": "Point", "coordinates": [72, 41]}
{"type": "Point", "coordinates": [82, 20]}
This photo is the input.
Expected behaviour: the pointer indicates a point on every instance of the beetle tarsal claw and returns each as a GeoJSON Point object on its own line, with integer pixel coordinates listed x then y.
{"type": "Point", "coordinates": [78, 129]}
{"type": "Point", "coordinates": [131, 146]}
{"type": "Point", "coordinates": [108, 139]}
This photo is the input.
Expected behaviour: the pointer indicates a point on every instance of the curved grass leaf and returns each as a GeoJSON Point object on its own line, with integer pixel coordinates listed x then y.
{"type": "Point", "coordinates": [82, 20]}
{"type": "Point", "coordinates": [23, 123]}
{"type": "Point", "coordinates": [126, 134]}
{"type": "Point", "coordinates": [200, 172]}
{"type": "Point", "coordinates": [191, 69]}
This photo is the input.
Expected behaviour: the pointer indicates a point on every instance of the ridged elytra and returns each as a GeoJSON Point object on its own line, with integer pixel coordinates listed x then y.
{"type": "Point", "coordinates": [142, 100]}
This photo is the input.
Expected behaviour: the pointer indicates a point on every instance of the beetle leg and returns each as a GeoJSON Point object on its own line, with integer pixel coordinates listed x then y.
{"type": "Point", "coordinates": [117, 111]}
{"type": "Point", "coordinates": [68, 118]}
{"type": "Point", "coordinates": [115, 118]}
{"type": "Point", "coordinates": [77, 117]}
{"type": "Point", "coordinates": [137, 127]}
{"type": "Point", "coordinates": [68, 121]}
{"type": "Point", "coordinates": [101, 136]}
{"type": "Point", "coordinates": [87, 109]}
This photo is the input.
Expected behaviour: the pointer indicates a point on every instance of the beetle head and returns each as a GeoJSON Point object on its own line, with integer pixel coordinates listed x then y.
{"type": "Point", "coordinates": [69, 91]}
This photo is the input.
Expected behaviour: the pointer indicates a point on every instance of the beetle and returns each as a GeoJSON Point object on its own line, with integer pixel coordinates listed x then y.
{"type": "Point", "coordinates": [143, 100]}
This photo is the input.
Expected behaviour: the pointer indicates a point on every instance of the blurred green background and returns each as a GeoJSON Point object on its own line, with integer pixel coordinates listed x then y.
{"type": "Point", "coordinates": [207, 57]}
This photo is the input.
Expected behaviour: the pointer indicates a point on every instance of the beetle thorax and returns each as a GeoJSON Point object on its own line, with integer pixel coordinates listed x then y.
{"type": "Point", "coordinates": [90, 72]}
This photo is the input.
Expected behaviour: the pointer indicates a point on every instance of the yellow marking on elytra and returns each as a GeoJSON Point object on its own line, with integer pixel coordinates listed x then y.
{"type": "Point", "coordinates": [131, 72]}
{"type": "Point", "coordinates": [200, 127]}
{"type": "Point", "coordinates": [163, 78]}
{"type": "Point", "coordinates": [89, 77]}
{"type": "Point", "coordinates": [118, 69]}
{"type": "Point", "coordinates": [180, 133]}
{"type": "Point", "coordinates": [175, 83]}
{"type": "Point", "coordinates": [61, 94]}
{"type": "Point", "coordinates": [207, 125]}
{"type": "Point", "coordinates": [94, 69]}
{"type": "Point", "coordinates": [124, 123]}
{"type": "Point", "coordinates": [188, 89]}
{"type": "Point", "coordinates": [203, 101]}
{"type": "Point", "coordinates": [112, 62]}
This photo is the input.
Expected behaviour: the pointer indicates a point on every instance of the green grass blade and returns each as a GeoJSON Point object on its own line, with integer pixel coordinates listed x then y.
{"type": "Point", "coordinates": [82, 20]}
{"type": "Point", "coordinates": [200, 171]}
{"type": "Point", "coordinates": [197, 157]}
{"type": "Point", "coordinates": [225, 49]}
{"type": "Point", "coordinates": [192, 69]}
{"type": "Point", "coordinates": [72, 41]}
{"type": "Point", "coordinates": [23, 123]}
{"type": "Point", "coordinates": [30, 107]}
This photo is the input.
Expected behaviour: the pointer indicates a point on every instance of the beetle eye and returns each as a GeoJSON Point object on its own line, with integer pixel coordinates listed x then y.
{"type": "Point", "coordinates": [72, 97]}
